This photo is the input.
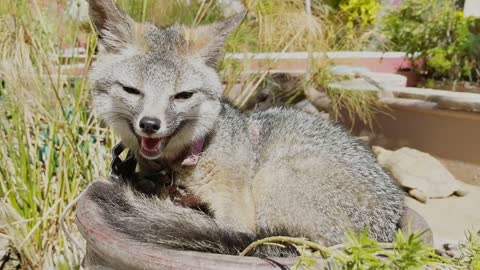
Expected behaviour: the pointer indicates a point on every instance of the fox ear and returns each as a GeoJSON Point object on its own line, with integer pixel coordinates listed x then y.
{"type": "Point", "coordinates": [207, 41]}
{"type": "Point", "coordinates": [114, 28]}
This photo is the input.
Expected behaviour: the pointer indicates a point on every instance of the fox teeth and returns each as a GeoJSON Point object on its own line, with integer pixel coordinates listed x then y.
{"type": "Point", "coordinates": [151, 144]}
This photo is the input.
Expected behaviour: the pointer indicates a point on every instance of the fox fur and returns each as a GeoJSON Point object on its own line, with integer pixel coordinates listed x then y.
{"type": "Point", "coordinates": [275, 172]}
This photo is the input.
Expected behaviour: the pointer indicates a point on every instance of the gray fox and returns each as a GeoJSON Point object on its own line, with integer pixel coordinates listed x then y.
{"type": "Point", "coordinates": [275, 172]}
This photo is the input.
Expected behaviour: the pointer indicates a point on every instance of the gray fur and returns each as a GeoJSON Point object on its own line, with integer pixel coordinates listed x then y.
{"type": "Point", "coordinates": [279, 170]}
{"type": "Point", "coordinates": [114, 28]}
{"type": "Point", "coordinates": [194, 231]}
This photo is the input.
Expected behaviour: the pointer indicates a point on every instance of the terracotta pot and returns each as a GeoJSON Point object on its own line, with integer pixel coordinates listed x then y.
{"type": "Point", "coordinates": [413, 77]}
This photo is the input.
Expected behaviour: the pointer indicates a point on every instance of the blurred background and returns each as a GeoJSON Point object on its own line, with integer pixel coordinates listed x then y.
{"type": "Point", "coordinates": [397, 73]}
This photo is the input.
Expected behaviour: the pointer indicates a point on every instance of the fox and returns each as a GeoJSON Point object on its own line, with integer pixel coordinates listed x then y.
{"type": "Point", "coordinates": [279, 171]}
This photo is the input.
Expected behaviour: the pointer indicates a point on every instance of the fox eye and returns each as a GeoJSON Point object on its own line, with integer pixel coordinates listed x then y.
{"type": "Point", "coordinates": [131, 90]}
{"type": "Point", "coordinates": [183, 95]}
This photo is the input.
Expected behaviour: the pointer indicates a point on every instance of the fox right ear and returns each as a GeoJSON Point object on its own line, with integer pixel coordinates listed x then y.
{"type": "Point", "coordinates": [207, 41]}
{"type": "Point", "coordinates": [114, 28]}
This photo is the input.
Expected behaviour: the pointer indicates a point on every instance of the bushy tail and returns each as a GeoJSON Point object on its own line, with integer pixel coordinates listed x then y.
{"type": "Point", "coordinates": [163, 223]}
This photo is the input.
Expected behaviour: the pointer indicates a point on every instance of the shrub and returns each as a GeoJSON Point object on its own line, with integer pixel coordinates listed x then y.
{"type": "Point", "coordinates": [438, 35]}
{"type": "Point", "coordinates": [361, 13]}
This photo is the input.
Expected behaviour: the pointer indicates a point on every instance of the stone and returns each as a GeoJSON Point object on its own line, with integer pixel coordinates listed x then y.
{"type": "Point", "coordinates": [78, 10]}
{"type": "Point", "coordinates": [471, 8]}
{"type": "Point", "coordinates": [423, 175]}
{"type": "Point", "coordinates": [318, 98]}
{"type": "Point", "coordinates": [230, 7]}
{"type": "Point", "coordinates": [306, 106]}
{"type": "Point", "coordinates": [384, 79]}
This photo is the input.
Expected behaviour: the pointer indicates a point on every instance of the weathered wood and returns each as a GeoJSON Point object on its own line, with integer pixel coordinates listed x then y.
{"type": "Point", "coordinates": [412, 222]}
{"type": "Point", "coordinates": [108, 249]}
{"type": "Point", "coordinates": [112, 250]}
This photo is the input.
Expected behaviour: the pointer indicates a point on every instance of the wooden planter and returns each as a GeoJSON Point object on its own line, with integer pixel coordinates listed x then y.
{"type": "Point", "coordinates": [112, 250]}
{"type": "Point", "coordinates": [297, 62]}
{"type": "Point", "coordinates": [108, 249]}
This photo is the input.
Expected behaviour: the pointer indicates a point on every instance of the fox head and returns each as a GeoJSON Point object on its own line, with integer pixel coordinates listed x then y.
{"type": "Point", "coordinates": [157, 88]}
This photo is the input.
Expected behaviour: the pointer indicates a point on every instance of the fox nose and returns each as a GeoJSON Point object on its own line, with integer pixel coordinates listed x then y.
{"type": "Point", "coordinates": [149, 125]}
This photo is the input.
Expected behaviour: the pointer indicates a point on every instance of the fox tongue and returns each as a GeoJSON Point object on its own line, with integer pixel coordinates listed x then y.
{"type": "Point", "coordinates": [151, 144]}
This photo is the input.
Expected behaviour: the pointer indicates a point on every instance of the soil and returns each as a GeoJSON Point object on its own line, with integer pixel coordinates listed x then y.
{"type": "Point", "coordinates": [449, 218]}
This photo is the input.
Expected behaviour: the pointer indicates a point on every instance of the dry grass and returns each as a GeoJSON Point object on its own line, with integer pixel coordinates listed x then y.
{"type": "Point", "coordinates": [51, 146]}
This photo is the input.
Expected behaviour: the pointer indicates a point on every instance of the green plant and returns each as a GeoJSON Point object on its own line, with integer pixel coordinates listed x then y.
{"type": "Point", "coordinates": [361, 13]}
{"type": "Point", "coordinates": [438, 38]}
{"type": "Point", "coordinates": [361, 105]}
{"type": "Point", "coordinates": [51, 146]}
{"type": "Point", "coordinates": [470, 252]}
{"type": "Point", "coordinates": [358, 105]}
{"type": "Point", "coordinates": [406, 252]}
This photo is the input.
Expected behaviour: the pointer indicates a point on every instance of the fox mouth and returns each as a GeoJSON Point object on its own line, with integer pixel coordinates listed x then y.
{"type": "Point", "coordinates": [151, 148]}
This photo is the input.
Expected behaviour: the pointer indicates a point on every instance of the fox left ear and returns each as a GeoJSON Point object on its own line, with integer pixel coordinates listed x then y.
{"type": "Point", "coordinates": [207, 41]}
{"type": "Point", "coordinates": [114, 28]}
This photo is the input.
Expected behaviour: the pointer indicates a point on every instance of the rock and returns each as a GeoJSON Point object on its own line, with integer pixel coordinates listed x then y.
{"type": "Point", "coordinates": [384, 79]}
{"type": "Point", "coordinates": [231, 7]}
{"type": "Point", "coordinates": [412, 222]}
{"type": "Point", "coordinates": [318, 98]}
{"type": "Point", "coordinates": [422, 174]}
{"type": "Point", "coordinates": [78, 10]}
{"type": "Point", "coordinates": [365, 135]}
{"type": "Point", "coordinates": [308, 107]}
{"type": "Point", "coordinates": [472, 8]}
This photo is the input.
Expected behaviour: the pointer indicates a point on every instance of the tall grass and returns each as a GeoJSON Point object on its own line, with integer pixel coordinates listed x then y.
{"type": "Point", "coordinates": [51, 146]}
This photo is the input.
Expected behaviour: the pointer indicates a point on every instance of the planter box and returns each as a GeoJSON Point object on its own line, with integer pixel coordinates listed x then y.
{"type": "Point", "coordinates": [452, 136]}
{"type": "Point", "coordinates": [388, 62]}
{"type": "Point", "coordinates": [295, 62]}
{"type": "Point", "coordinates": [443, 123]}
